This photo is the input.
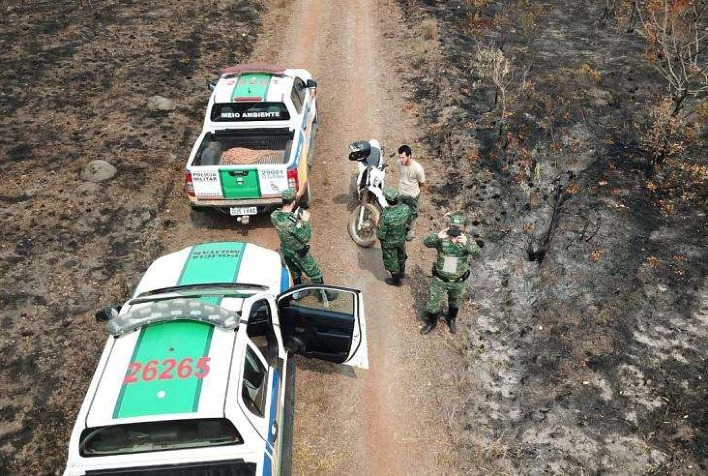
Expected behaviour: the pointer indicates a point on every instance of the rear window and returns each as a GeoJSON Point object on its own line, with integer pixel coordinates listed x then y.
{"type": "Point", "coordinates": [157, 436]}
{"type": "Point", "coordinates": [249, 111]}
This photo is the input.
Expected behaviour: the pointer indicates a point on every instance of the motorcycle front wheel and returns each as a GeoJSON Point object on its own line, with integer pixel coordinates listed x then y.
{"type": "Point", "coordinates": [362, 225]}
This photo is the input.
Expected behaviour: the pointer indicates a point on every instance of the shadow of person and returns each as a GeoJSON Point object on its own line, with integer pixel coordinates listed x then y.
{"type": "Point", "coordinates": [370, 259]}
{"type": "Point", "coordinates": [419, 289]}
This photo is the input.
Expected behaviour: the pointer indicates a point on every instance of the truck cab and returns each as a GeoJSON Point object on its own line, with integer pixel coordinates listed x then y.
{"type": "Point", "coordinates": [197, 375]}
{"type": "Point", "coordinates": [257, 140]}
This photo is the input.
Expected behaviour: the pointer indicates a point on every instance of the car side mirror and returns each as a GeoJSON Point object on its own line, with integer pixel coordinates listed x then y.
{"type": "Point", "coordinates": [311, 83]}
{"type": "Point", "coordinates": [212, 84]}
{"type": "Point", "coordinates": [107, 313]}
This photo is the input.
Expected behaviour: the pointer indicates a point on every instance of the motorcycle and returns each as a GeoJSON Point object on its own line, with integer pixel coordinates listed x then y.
{"type": "Point", "coordinates": [368, 191]}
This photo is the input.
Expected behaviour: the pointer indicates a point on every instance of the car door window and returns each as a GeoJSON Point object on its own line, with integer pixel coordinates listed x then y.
{"type": "Point", "coordinates": [297, 100]}
{"type": "Point", "coordinates": [254, 382]}
{"type": "Point", "coordinates": [301, 88]}
{"type": "Point", "coordinates": [260, 330]}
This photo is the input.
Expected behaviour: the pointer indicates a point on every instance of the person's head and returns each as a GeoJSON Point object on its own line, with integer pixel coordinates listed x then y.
{"type": "Point", "coordinates": [289, 197]}
{"type": "Point", "coordinates": [404, 154]}
{"type": "Point", "coordinates": [456, 222]}
{"type": "Point", "coordinates": [391, 195]}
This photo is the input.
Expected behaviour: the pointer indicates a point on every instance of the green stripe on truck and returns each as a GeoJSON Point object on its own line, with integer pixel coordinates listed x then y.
{"type": "Point", "coordinates": [168, 353]}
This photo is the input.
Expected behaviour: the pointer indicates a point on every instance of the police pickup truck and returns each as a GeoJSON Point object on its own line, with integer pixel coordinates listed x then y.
{"type": "Point", "coordinates": [257, 140]}
{"type": "Point", "coordinates": [197, 375]}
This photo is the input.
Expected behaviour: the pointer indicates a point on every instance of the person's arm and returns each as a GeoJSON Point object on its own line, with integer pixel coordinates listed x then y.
{"type": "Point", "coordinates": [421, 177]}
{"type": "Point", "coordinates": [303, 232]}
{"type": "Point", "coordinates": [383, 228]}
{"type": "Point", "coordinates": [473, 248]}
{"type": "Point", "coordinates": [432, 240]}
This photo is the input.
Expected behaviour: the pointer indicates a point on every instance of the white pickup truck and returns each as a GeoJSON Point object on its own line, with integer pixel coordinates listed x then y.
{"type": "Point", "coordinates": [197, 375]}
{"type": "Point", "coordinates": [257, 140]}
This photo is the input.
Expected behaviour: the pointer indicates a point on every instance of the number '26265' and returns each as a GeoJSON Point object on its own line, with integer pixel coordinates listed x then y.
{"type": "Point", "coordinates": [167, 370]}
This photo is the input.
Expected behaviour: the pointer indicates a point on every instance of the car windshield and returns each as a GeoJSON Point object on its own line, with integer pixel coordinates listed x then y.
{"type": "Point", "coordinates": [157, 436]}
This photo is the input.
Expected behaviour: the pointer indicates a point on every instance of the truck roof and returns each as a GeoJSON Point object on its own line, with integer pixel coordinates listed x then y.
{"type": "Point", "coordinates": [154, 372]}
{"type": "Point", "coordinates": [254, 86]}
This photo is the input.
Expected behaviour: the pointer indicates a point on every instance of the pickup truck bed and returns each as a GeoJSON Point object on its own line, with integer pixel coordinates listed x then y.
{"type": "Point", "coordinates": [245, 147]}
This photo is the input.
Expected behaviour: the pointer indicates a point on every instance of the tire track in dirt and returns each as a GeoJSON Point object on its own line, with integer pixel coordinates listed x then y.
{"type": "Point", "coordinates": [384, 420]}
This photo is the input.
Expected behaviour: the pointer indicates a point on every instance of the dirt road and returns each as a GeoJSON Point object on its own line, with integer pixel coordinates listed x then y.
{"type": "Point", "coordinates": [387, 420]}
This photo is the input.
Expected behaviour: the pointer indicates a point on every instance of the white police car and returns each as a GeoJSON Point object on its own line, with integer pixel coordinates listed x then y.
{"type": "Point", "coordinates": [197, 374]}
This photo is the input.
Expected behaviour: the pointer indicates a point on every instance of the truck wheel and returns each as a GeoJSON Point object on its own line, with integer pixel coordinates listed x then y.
{"type": "Point", "coordinates": [362, 225]}
{"type": "Point", "coordinates": [311, 149]}
{"type": "Point", "coordinates": [286, 450]}
{"type": "Point", "coordinates": [202, 217]}
{"type": "Point", "coordinates": [305, 200]}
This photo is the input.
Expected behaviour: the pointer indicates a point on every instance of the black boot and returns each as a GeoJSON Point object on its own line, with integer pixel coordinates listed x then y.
{"type": "Point", "coordinates": [330, 295]}
{"type": "Point", "coordinates": [451, 319]}
{"type": "Point", "coordinates": [403, 270]}
{"type": "Point", "coordinates": [431, 321]}
{"type": "Point", "coordinates": [394, 280]}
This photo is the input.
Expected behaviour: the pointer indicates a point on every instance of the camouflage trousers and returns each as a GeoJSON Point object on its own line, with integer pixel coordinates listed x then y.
{"type": "Point", "coordinates": [394, 257]}
{"type": "Point", "coordinates": [437, 291]}
{"type": "Point", "coordinates": [302, 264]}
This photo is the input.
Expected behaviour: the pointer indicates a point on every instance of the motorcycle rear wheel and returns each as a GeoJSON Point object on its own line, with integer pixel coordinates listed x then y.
{"type": "Point", "coordinates": [363, 231]}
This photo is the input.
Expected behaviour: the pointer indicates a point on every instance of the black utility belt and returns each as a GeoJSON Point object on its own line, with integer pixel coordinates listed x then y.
{"type": "Point", "coordinates": [464, 276]}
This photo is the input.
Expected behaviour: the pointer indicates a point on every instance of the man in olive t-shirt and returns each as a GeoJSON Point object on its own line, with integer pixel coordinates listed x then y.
{"type": "Point", "coordinates": [411, 180]}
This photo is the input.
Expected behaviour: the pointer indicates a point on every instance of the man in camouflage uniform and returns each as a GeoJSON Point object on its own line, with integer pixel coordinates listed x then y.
{"type": "Point", "coordinates": [293, 227]}
{"type": "Point", "coordinates": [450, 271]}
{"type": "Point", "coordinates": [393, 225]}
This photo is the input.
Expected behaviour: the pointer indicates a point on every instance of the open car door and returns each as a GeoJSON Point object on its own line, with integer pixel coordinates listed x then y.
{"type": "Point", "coordinates": [325, 322]}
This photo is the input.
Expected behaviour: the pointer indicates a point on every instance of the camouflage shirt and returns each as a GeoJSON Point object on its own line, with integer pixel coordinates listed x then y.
{"type": "Point", "coordinates": [452, 255]}
{"type": "Point", "coordinates": [293, 232]}
{"type": "Point", "coordinates": [393, 224]}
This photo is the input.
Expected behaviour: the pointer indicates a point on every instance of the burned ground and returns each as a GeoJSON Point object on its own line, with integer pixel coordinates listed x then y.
{"type": "Point", "coordinates": [590, 340]}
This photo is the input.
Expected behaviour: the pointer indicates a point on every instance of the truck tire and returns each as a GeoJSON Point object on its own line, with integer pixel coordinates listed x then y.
{"type": "Point", "coordinates": [311, 149]}
{"type": "Point", "coordinates": [202, 217]}
{"type": "Point", "coordinates": [305, 200]}
{"type": "Point", "coordinates": [286, 450]}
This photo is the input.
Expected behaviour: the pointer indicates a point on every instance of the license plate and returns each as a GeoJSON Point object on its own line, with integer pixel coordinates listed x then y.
{"type": "Point", "coordinates": [234, 211]}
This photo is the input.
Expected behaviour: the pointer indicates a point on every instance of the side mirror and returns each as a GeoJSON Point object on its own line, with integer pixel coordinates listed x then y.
{"type": "Point", "coordinates": [108, 313]}
{"type": "Point", "coordinates": [311, 83]}
{"type": "Point", "coordinates": [212, 84]}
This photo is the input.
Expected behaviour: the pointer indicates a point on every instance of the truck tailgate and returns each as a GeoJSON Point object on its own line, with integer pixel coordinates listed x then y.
{"type": "Point", "coordinates": [242, 183]}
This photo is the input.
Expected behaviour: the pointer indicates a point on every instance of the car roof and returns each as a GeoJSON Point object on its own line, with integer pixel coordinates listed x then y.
{"type": "Point", "coordinates": [254, 86]}
{"type": "Point", "coordinates": [158, 389]}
